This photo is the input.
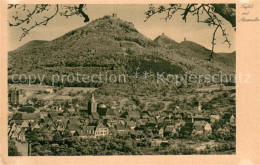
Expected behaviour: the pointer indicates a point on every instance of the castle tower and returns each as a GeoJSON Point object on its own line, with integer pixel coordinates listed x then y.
{"type": "Point", "coordinates": [114, 15]}
{"type": "Point", "coordinates": [185, 39]}
{"type": "Point", "coordinates": [93, 104]}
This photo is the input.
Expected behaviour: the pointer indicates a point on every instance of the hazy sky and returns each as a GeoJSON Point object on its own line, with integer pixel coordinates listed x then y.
{"type": "Point", "coordinates": [175, 28]}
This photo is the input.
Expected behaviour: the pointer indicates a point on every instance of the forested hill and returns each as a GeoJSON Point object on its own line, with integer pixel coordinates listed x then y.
{"type": "Point", "coordinates": [114, 45]}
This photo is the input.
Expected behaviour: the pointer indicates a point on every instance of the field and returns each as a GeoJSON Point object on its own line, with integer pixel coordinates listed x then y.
{"type": "Point", "coordinates": [45, 92]}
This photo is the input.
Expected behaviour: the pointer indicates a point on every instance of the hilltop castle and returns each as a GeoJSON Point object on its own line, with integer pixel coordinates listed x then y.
{"type": "Point", "coordinates": [114, 15]}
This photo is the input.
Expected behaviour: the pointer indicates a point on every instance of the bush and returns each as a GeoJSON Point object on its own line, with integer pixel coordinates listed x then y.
{"type": "Point", "coordinates": [27, 109]}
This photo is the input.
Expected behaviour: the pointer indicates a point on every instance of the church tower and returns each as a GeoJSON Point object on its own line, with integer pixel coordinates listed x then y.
{"type": "Point", "coordinates": [93, 104]}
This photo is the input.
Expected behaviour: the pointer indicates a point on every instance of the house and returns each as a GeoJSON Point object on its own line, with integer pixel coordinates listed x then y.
{"type": "Point", "coordinates": [167, 120]}
{"type": "Point", "coordinates": [73, 127]}
{"type": "Point", "coordinates": [80, 134]}
{"type": "Point", "coordinates": [101, 130]}
{"type": "Point", "coordinates": [178, 117]}
{"type": "Point", "coordinates": [131, 124]}
{"type": "Point", "coordinates": [170, 130]}
{"type": "Point", "coordinates": [144, 116]}
{"type": "Point", "coordinates": [143, 121]}
{"type": "Point", "coordinates": [201, 126]}
{"type": "Point", "coordinates": [16, 132]}
{"type": "Point", "coordinates": [14, 135]}
{"type": "Point", "coordinates": [152, 120]}
{"type": "Point", "coordinates": [63, 120]}
{"type": "Point", "coordinates": [112, 130]}
{"type": "Point", "coordinates": [90, 131]}
{"type": "Point", "coordinates": [25, 124]}
{"type": "Point", "coordinates": [30, 116]}
{"type": "Point", "coordinates": [71, 110]}
{"type": "Point", "coordinates": [48, 121]}
{"type": "Point", "coordinates": [160, 120]}
{"type": "Point", "coordinates": [61, 127]}
{"type": "Point", "coordinates": [232, 119]}
{"type": "Point", "coordinates": [18, 122]}
{"type": "Point", "coordinates": [169, 113]}
{"type": "Point", "coordinates": [111, 122]}
{"type": "Point", "coordinates": [66, 114]}
{"type": "Point", "coordinates": [121, 121]}
{"type": "Point", "coordinates": [53, 115]}
{"type": "Point", "coordinates": [120, 128]}
{"type": "Point", "coordinates": [43, 115]}
{"type": "Point", "coordinates": [186, 129]}
{"type": "Point", "coordinates": [153, 113]}
{"type": "Point", "coordinates": [133, 115]}
{"type": "Point", "coordinates": [110, 113]}
{"type": "Point", "coordinates": [51, 128]}
{"type": "Point", "coordinates": [156, 142]}
{"type": "Point", "coordinates": [161, 132]}
{"type": "Point", "coordinates": [140, 123]}
{"type": "Point", "coordinates": [198, 117]}
{"type": "Point", "coordinates": [12, 127]}
{"type": "Point", "coordinates": [73, 120]}
{"type": "Point", "coordinates": [189, 118]}
{"type": "Point", "coordinates": [225, 130]}
{"type": "Point", "coordinates": [214, 118]}
{"type": "Point", "coordinates": [21, 136]}
{"type": "Point", "coordinates": [113, 107]}
{"type": "Point", "coordinates": [36, 127]}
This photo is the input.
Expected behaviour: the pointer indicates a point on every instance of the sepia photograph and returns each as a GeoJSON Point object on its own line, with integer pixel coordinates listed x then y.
{"type": "Point", "coordinates": [121, 79]}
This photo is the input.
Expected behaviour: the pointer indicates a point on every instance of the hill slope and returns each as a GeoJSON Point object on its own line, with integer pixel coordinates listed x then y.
{"type": "Point", "coordinates": [166, 42]}
{"type": "Point", "coordinates": [115, 46]}
{"type": "Point", "coordinates": [32, 44]}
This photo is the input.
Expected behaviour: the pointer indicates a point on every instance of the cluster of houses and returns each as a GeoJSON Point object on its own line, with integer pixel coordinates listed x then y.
{"type": "Point", "coordinates": [99, 120]}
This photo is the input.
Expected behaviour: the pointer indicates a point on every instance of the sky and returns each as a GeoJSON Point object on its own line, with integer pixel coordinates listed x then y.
{"type": "Point", "coordinates": [175, 28]}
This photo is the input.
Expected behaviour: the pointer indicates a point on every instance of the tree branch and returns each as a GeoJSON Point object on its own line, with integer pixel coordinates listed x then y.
{"type": "Point", "coordinates": [28, 22]}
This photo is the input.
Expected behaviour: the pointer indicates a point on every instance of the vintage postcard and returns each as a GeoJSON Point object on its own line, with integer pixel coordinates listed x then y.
{"type": "Point", "coordinates": [140, 82]}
